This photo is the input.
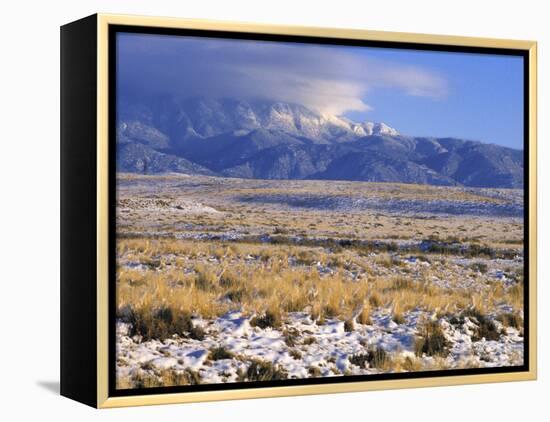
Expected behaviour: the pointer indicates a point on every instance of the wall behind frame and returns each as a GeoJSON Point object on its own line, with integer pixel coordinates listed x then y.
{"type": "Point", "coordinates": [31, 229]}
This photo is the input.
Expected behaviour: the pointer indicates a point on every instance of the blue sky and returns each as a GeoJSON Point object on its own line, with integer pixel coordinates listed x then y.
{"type": "Point", "coordinates": [419, 93]}
{"type": "Point", "coordinates": [484, 98]}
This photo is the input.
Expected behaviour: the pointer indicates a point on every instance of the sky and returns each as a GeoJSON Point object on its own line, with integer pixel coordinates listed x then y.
{"type": "Point", "coordinates": [419, 93]}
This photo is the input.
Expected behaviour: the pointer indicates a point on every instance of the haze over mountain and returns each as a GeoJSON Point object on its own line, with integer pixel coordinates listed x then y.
{"type": "Point", "coordinates": [278, 140]}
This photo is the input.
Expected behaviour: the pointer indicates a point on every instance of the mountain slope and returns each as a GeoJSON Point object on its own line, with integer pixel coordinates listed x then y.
{"type": "Point", "coordinates": [228, 150]}
{"type": "Point", "coordinates": [479, 165]}
{"type": "Point", "coordinates": [275, 140]}
{"type": "Point", "coordinates": [139, 158]}
{"type": "Point", "coordinates": [286, 161]}
{"type": "Point", "coordinates": [374, 167]}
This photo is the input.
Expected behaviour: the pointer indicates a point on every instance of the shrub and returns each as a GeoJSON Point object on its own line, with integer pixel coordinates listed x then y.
{"type": "Point", "coordinates": [202, 281]}
{"type": "Point", "coordinates": [317, 314]}
{"type": "Point", "coordinates": [510, 319]}
{"type": "Point", "coordinates": [144, 380]}
{"type": "Point", "coordinates": [364, 317]}
{"type": "Point", "coordinates": [410, 365]}
{"type": "Point", "coordinates": [402, 284]}
{"type": "Point", "coordinates": [374, 300]}
{"type": "Point", "coordinates": [280, 230]}
{"type": "Point", "coordinates": [330, 310]}
{"type": "Point", "coordinates": [376, 358]}
{"type": "Point", "coordinates": [398, 318]}
{"type": "Point", "coordinates": [384, 261]}
{"type": "Point", "coordinates": [453, 239]}
{"type": "Point", "coordinates": [480, 267]}
{"type": "Point", "coordinates": [349, 326]}
{"type": "Point", "coordinates": [314, 371]}
{"type": "Point", "coordinates": [424, 258]}
{"type": "Point", "coordinates": [228, 279]}
{"type": "Point", "coordinates": [432, 341]}
{"type": "Point", "coordinates": [392, 247]}
{"type": "Point", "coordinates": [264, 371]}
{"type": "Point", "coordinates": [125, 314]}
{"type": "Point", "coordinates": [165, 378]}
{"type": "Point", "coordinates": [309, 340]}
{"type": "Point", "coordinates": [235, 295]}
{"type": "Point", "coordinates": [486, 328]}
{"type": "Point", "coordinates": [291, 337]}
{"type": "Point", "coordinates": [219, 353]}
{"type": "Point", "coordinates": [517, 275]}
{"type": "Point", "coordinates": [475, 250]}
{"type": "Point", "coordinates": [360, 359]}
{"type": "Point", "coordinates": [295, 353]}
{"type": "Point", "coordinates": [189, 377]}
{"type": "Point", "coordinates": [196, 333]}
{"type": "Point", "coordinates": [269, 319]}
{"type": "Point", "coordinates": [305, 258]}
{"type": "Point", "coordinates": [161, 323]}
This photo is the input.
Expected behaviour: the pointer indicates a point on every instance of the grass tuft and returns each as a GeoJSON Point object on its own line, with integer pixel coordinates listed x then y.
{"type": "Point", "coordinates": [479, 267]}
{"type": "Point", "coordinates": [260, 370]}
{"type": "Point", "coordinates": [220, 353]}
{"type": "Point", "coordinates": [270, 319]}
{"type": "Point", "coordinates": [510, 319]}
{"type": "Point", "coordinates": [349, 325]}
{"type": "Point", "coordinates": [432, 341]}
{"type": "Point", "coordinates": [314, 371]}
{"type": "Point", "coordinates": [375, 358]}
{"type": "Point", "coordinates": [486, 328]}
{"type": "Point", "coordinates": [161, 323]}
{"type": "Point", "coordinates": [165, 378]}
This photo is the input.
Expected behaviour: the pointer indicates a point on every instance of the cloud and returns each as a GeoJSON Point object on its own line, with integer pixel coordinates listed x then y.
{"type": "Point", "coordinates": [331, 79]}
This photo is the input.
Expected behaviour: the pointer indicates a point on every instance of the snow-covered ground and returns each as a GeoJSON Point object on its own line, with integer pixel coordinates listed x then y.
{"type": "Point", "coordinates": [179, 206]}
{"type": "Point", "coordinates": [466, 243]}
{"type": "Point", "coordinates": [312, 349]}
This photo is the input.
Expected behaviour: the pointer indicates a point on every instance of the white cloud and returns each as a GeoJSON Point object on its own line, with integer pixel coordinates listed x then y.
{"type": "Point", "coordinates": [329, 78]}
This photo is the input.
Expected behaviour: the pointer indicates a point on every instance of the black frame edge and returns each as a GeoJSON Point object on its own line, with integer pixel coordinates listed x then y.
{"type": "Point", "coordinates": [78, 266]}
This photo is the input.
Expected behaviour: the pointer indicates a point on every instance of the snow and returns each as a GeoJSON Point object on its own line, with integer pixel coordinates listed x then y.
{"type": "Point", "coordinates": [328, 348]}
{"type": "Point", "coordinates": [176, 206]}
{"type": "Point", "coordinates": [381, 128]}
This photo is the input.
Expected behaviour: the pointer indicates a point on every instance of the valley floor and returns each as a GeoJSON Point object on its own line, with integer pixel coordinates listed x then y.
{"type": "Point", "coordinates": [228, 280]}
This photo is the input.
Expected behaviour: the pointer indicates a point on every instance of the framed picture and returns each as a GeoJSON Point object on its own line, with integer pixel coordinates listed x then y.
{"type": "Point", "coordinates": [259, 211]}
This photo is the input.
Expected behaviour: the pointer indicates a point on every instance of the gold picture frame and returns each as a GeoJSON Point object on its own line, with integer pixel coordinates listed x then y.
{"type": "Point", "coordinates": [98, 26]}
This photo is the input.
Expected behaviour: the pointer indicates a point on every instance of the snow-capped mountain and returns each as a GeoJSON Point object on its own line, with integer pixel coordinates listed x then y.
{"type": "Point", "coordinates": [379, 129]}
{"type": "Point", "coordinates": [275, 140]}
{"type": "Point", "coordinates": [203, 118]}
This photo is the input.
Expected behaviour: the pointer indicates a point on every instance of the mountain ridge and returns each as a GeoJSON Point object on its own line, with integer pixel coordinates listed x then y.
{"type": "Point", "coordinates": [275, 140]}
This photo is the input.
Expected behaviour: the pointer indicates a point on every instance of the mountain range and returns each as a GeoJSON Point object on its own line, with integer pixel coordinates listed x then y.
{"type": "Point", "coordinates": [276, 140]}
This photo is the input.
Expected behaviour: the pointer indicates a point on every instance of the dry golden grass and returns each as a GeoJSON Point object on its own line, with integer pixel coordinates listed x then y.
{"type": "Point", "coordinates": [208, 279]}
